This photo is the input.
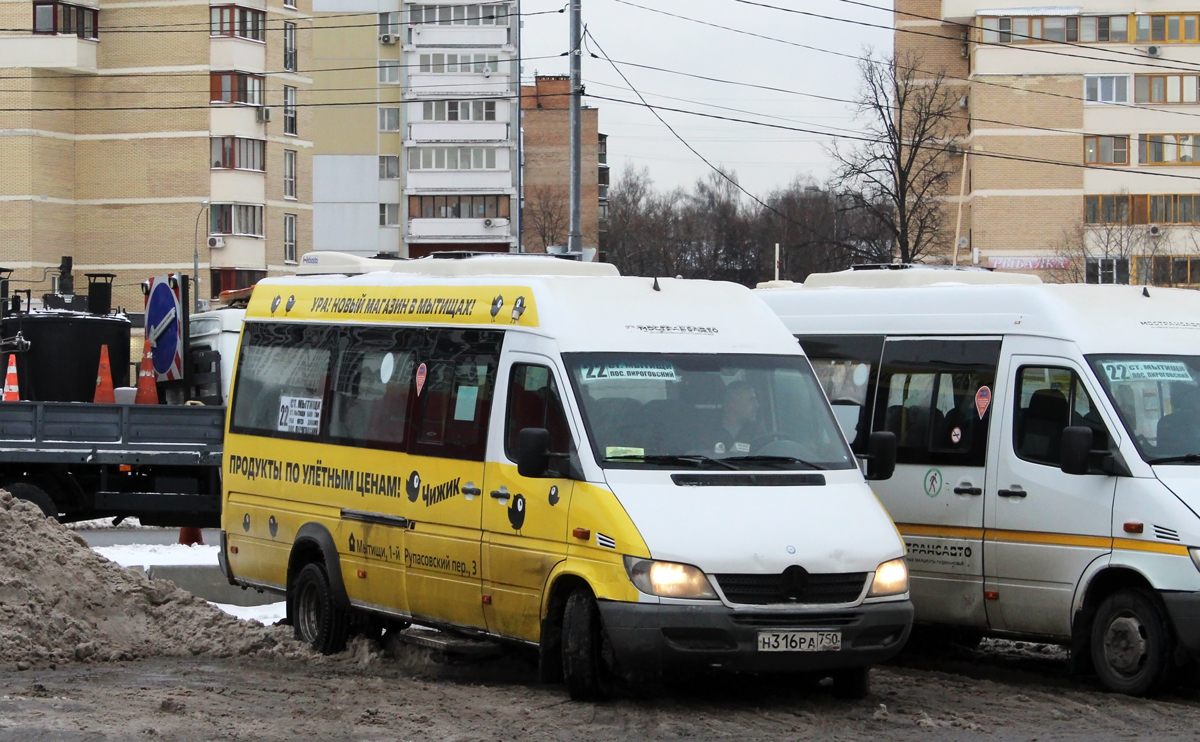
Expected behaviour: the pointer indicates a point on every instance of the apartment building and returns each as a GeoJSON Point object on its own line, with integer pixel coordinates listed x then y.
{"type": "Point", "coordinates": [132, 132]}
{"type": "Point", "coordinates": [1078, 133]}
{"type": "Point", "coordinates": [417, 140]}
{"type": "Point", "coordinates": [546, 151]}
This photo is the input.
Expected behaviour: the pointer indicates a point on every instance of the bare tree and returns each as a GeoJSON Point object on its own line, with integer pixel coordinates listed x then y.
{"type": "Point", "coordinates": [547, 215]}
{"type": "Point", "coordinates": [900, 173]}
{"type": "Point", "coordinates": [1104, 253]}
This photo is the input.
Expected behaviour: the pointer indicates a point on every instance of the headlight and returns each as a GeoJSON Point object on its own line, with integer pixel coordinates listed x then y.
{"type": "Point", "coordinates": [891, 578]}
{"type": "Point", "coordinates": [1194, 552]}
{"type": "Point", "coordinates": [668, 579]}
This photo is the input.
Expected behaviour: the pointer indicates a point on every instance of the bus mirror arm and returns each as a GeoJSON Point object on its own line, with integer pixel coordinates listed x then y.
{"type": "Point", "coordinates": [881, 456]}
{"type": "Point", "coordinates": [1078, 457]}
{"type": "Point", "coordinates": [533, 452]}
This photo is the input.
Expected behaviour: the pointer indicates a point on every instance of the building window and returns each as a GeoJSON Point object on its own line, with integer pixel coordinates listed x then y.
{"type": "Point", "coordinates": [70, 20]}
{"type": "Point", "coordinates": [1106, 150]}
{"type": "Point", "coordinates": [289, 238]}
{"type": "Point", "coordinates": [244, 23]}
{"type": "Point", "coordinates": [236, 153]}
{"type": "Point", "coordinates": [1167, 270]}
{"type": "Point", "coordinates": [459, 15]}
{"type": "Point", "coordinates": [1167, 27]}
{"type": "Point", "coordinates": [389, 23]}
{"type": "Point", "coordinates": [441, 64]}
{"type": "Point", "coordinates": [1168, 149]}
{"type": "Point", "coordinates": [1107, 270]}
{"type": "Point", "coordinates": [236, 219]}
{"type": "Point", "coordinates": [237, 87]}
{"type": "Point", "coordinates": [289, 3]}
{"type": "Point", "coordinates": [1106, 88]}
{"type": "Point", "coordinates": [289, 173]}
{"type": "Point", "coordinates": [289, 110]}
{"type": "Point", "coordinates": [290, 61]}
{"type": "Point", "coordinates": [389, 215]}
{"type": "Point", "coordinates": [458, 207]}
{"type": "Point", "coordinates": [1053, 29]}
{"type": "Point", "coordinates": [458, 110]}
{"type": "Point", "coordinates": [1143, 209]}
{"type": "Point", "coordinates": [452, 158]}
{"type": "Point", "coordinates": [389, 119]}
{"type": "Point", "coordinates": [389, 167]}
{"type": "Point", "coordinates": [1165, 88]}
{"type": "Point", "coordinates": [389, 72]}
{"type": "Point", "coordinates": [1107, 209]}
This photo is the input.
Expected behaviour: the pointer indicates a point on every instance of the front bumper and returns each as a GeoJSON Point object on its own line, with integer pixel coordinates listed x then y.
{"type": "Point", "coordinates": [651, 640]}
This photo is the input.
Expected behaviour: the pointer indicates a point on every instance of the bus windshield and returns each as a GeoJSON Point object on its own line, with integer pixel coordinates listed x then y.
{"type": "Point", "coordinates": [1158, 399]}
{"type": "Point", "coordinates": [647, 410]}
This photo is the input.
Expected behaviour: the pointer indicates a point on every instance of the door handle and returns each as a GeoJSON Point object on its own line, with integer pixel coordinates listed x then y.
{"type": "Point", "coordinates": [1014, 492]}
{"type": "Point", "coordinates": [973, 491]}
{"type": "Point", "coordinates": [500, 494]}
{"type": "Point", "coordinates": [470, 490]}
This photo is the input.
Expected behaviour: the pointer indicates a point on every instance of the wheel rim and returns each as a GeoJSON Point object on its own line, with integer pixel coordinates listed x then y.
{"type": "Point", "coordinates": [1125, 645]}
{"type": "Point", "coordinates": [308, 612]}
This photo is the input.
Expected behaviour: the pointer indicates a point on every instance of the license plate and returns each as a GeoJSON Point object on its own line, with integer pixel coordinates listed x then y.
{"type": "Point", "coordinates": [799, 641]}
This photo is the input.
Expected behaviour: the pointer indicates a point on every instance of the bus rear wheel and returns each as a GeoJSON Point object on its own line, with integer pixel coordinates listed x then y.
{"type": "Point", "coordinates": [316, 617]}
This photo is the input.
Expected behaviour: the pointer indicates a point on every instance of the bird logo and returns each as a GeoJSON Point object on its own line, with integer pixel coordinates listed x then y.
{"type": "Point", "coordinates": [518, 309]}
{"type": "Point", "coordinates": [554, 495]}
{"type": "Point", "coordinates": [275, 303]}
{"type": "Point", "coordinates": [516, 512]}
{"type": "Point", "coordinates": [246, 523]}
{"type": "Point", "coordinates": [413, 486]}
{"type": "Point", "coordinates": [291, 302]}
{"type": "Point", "coordinates": [497, 305]}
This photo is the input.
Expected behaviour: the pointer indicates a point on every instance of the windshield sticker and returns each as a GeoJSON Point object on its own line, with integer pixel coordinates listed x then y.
{"type": "Point", "coordinates": [615, 452]}
{"type": "Point", "coordinates": [632, 370]}
{"type": "Point", "coordinates": [1147, 371]}
{"type": "Point", "coordinates": [983, 399]}
{"type": "Point", "coordinates": [421, 373]}
{"type": "Point", "coordinates": [300, 415]}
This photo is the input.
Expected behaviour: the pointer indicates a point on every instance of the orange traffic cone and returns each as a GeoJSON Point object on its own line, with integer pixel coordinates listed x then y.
{"type": "Point", "coordinates": [104, 385]}
{"type": "Point", "coordinates": [189, 536]}
{"type": "Point", "coordinates": [147, 387]}
{"type": "Point", "coordinates": [12, 392]}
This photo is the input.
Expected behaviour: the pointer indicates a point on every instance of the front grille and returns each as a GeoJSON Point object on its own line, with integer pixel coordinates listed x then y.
{"type": "Point", "coordinates": [838, 587]}
{"type": "Point", "coordinates": [722, 479]}
{"type": "Point", "coordinates": [794, 620]}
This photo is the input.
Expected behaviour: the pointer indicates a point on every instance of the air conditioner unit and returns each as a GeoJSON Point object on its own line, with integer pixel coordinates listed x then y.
{"type": "Point", "coordinates": [214, 242]}
{"type": "Point", "coordinates": [264, 114]}
{"type": "Point", "coordinates": [488, 222]}
{"type": "Point", "coordinates": [1154, 51]}
{"type": "Point", "coordinates": [964, 101]}
{"type": "Point", "coordinates": [964, 243]}
{"type": "Point", "coordinates": [1155, 230]}
{"type": "Point", "coordinates": [388, 38]}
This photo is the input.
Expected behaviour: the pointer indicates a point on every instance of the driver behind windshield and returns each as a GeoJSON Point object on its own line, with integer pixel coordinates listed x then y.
{"type": "Point", "coordinates": [1178, 433]}
{"type": "Point", "coordinates": [739, 420]}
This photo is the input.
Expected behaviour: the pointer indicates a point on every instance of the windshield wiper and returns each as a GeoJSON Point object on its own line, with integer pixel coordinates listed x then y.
{"type": "Point", "coordinates": [1190, 458]}
{"type": "Point", "coordinates": [777, 459]}
{"type": "Point", "coordinates": [696, 460]}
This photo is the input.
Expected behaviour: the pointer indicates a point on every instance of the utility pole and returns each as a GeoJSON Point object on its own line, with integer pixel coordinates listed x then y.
{"type": "Point", "coordinates": [575, 240]}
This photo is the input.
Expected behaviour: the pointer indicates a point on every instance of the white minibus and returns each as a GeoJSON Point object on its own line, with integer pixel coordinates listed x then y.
{"type": "Point", "coordinates": [639, 477]}
{"type": "Point", "coordinates": [1048, 475]}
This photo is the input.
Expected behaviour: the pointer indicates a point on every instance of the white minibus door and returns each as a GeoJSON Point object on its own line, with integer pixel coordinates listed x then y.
{"type": "Point", "coordinates": [1044, 527]}
{"type": "Point", "coordinates": [935, 394]}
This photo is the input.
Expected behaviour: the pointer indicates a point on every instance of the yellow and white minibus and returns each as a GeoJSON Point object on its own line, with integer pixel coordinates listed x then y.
{"type": "Point", "coordinates": [634, 475]}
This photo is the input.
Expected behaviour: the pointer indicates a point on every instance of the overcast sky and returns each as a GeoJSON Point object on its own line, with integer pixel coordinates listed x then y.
{"type": "Point", "coordinates": [763, 158]}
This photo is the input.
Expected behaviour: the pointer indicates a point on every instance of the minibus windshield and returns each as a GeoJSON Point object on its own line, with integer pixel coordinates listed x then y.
{"type": "Point", "coordinates": [648, 410]}
{"type": "Point", "coordinates": [1158, 399]}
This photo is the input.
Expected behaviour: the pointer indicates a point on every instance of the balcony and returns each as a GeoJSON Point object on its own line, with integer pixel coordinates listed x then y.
{"type": "Point", "coordinates": [463, 181]}
{"type": "Point", "coordinates": [459, 132]}
{"type": "Point", "coordinates": [66, 53]}
{"type": "Point", "coordinates": [500, 228]}
{"type": "Point", "coordinates": [480, 36]}
{"type": "Point", "coordinates": [421, 85]}
{"type": "Point", "coordinates": [232, 53]}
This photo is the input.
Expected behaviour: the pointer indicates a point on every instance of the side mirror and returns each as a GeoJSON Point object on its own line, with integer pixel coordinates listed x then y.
{"type": "Point", "coordinates": [1075, 452]}
{"type": "Point", "coordinates": [533, 446]}
{"type": "Point", "coordinates": [881, 456]}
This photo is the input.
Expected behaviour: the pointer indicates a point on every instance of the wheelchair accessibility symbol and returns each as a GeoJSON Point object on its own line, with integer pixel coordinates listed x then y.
{"type": "Point", "coordinates": [933, 482]}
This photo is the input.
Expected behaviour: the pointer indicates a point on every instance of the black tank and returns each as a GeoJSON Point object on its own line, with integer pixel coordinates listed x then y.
{"type": "Point", "coordinates": [64, 353]}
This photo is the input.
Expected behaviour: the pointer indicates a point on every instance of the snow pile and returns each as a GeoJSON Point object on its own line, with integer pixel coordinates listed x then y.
{"type": "Point", "coordinates": [60, 602]}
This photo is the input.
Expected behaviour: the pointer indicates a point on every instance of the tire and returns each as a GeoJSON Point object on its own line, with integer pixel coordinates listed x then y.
{"type": "Point", "coordinates": [550, 658]}
{"type": "Point", "coordinates": [585, 669]}
{"type": "Point", "coordinates": [852, 683]}
{"type": "Point", "coordinates": [316, 617]}
{"type": "Point", "coordinates": [1131, 644]}
{"type": "Point", "coordinates": [30, 493]}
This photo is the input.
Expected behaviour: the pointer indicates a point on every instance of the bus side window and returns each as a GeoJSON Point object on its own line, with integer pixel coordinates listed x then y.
{"type": "Point", "coordinates": [930, 397]}
{"type": "Point", "coordinates": [452, 406]}
{"type": "Point", "coordinates": [1048, 400]}
{"type": "Point", "coordinates": [282, 378]}
{"type": "Point", "coordinates": [534, 402]}
{"type": "Point", "coordinates": [371, 391]}
{"type": "Point", "coordinates": [847, 367]}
